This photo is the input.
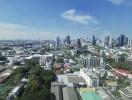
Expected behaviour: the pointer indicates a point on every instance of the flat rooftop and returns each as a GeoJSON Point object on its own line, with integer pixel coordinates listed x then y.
{"type": "Point", "coordinates": [57, 91]}
{"type": "Point", "coordinates": [76, 80]}
{"type": "Point", "coordinates": [90, 96]}
{"type": "Point", "coordinates": [89, 73]}
{"type": "Point", "coordinates": [127, 91]}
{"type": "Point", "coordinates": [69, 93]}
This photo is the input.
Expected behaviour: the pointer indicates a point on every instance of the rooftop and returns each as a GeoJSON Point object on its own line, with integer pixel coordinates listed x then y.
{"type": "Point", "coordinates": [69, 93]}
{"type": "Point", "coordinates": [85, 90]}
{"type": "Point", "coordinates": [122, 70]}
{"type": "Point", "coordinates": [89, 73]}
{"type": "Point", "coordinates": [111, 83]}
{"type": "Point", "coordinates": [75, 80]}
{"type": "Point", "coordinates": [103, 94]}
{"type": "Point", "coordinates": [127, 92]}
{"type": "Point", "coordinates": [56, 90]}
{"type": "Point", "coordinates": [90, 96]}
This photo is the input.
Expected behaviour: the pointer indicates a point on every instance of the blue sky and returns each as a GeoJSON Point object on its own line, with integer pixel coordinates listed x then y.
{"type": "Point", "coordinates": [46, 19]}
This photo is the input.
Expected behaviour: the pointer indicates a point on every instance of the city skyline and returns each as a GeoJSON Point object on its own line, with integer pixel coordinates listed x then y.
{"type": "Point", "coordinates": [47, 19]}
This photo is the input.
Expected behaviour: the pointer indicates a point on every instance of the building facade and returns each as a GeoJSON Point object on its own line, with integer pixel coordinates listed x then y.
{"type": "Point", "coordinates": [91, 79]}
{"type": "Point", "coordinates": [91, 60]}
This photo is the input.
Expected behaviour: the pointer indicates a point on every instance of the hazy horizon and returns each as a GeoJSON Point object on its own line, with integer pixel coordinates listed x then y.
{"type": "Point", "coordinates": [47, 19]}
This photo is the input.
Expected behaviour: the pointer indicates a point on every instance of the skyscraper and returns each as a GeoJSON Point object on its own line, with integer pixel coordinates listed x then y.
{"type": "Point", "coordinates": [68, 41]}
{"type": "Point", "coordinates": [112, 43]}
{"type": "Point", "coordinates": [58, 42]}
{"type": "Point", "coordinates": [78, 43]}
{"type": "Point", "coordinates": [94, 40]}
{"type": "Point", "coordinates": [122, 40]}
{"type": "Point", "coordinates": [126, 40]}
{"type": "Point", "coordinates": [106, 41]}
{"type": "Point", "coordinates": [130, 43]}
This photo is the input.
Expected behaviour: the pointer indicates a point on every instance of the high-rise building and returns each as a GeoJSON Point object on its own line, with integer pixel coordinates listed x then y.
{"type": "Point", "coordinates": [130, 43]}
{"type": "Point", "coordinates": [94, 40]}
{"type": "Point", "coordinates": [88, 61]}
{"type": "Point", "coordinates": [78, 43]}
{"type": "Point", "coordinates": [112, 43]}
{"type": "Point", "coordinates": [122, 40]}
{"type": "Point", "coordinates": [68, 41]}
{"type": "Point", "coordinates": [126, 40]}
{"type": "Point", "coordinates": [106, 41]}
{"type": "Point", "coordinates": [58, 42]}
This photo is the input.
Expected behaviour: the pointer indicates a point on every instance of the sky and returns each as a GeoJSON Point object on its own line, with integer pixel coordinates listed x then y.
{"type": "Point", "coordinates": [47, 19]}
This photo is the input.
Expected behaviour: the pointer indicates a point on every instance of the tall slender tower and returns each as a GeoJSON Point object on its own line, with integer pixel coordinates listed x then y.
{"type": "Point", "coordinates": [58, 42]}
{"type": "Point", "coordinates": [94, 40]}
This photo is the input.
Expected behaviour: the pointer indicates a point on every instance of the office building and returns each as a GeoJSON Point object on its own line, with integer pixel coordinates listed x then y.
{"type": "Point", "coordinates": [112, 42]}
{"type": "Point", "coordinates": [58, 42]}
{"type": "Point", "coordinates": [94, 40]}
{"type": "Point", "coordinates": [91, 60]}
{"type": "Point", "coordinates": [122, 40]}
{"type": "Point", "coordinates": [78, 43]}
{"type": "Point", "coordinates": [67, 40]}
{"type": "Point", "coordinates": [106, 41]}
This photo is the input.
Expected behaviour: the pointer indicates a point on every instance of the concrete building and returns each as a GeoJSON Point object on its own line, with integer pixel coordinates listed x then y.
{"type": "Point", "coordinates": [122, 40]}
{"type": "Point", "coordinates": [79, 44]}
{"type": "Point", "coordinates": [63, 92]}
{"type": "Point", "coordinates": [91, 60]}
{"type": "Point", "coordinates": [106, 41]}
{"type": "Point", "coordinates": [56, 90]}
{"type": "Point", "coordinates": [34, 58]}
{"type": "Point", "coordinates": [46, 61]}
{"type": "Point", "coordinates": [94, 40]}
{"type": "Point", "coordinates": [71, 80]}
{"type": "Point", "coordinates": [103, 94]}
{"type": "Point", "coordinates": [58, 42]}
{"type": "Point", "coordinates": [126, 93]}
{"type": "Point", "coordinates": [111, 85]}
{"type": "Point", "coordinates": [67, 40]}
{"type": "Point", "coordinates": [15, 92]}
{"type": "Point", "coordinates": [90, 78]}
{"type": "Point", "coordinates": [130, 43]}
{"type": "Point", "coordinates": [5, 74]}
{"type": "Point", "coordinates": [69, 93]}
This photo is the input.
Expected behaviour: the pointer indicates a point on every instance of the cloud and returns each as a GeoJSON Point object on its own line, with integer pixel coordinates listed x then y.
{"type": "Point", "coordinates": [82, 19]}
{"type": "Point", "coordinates": [5, 27]}
{"type": "Point", "coordinates": [15, 31]}
{"type": "Point", "coordinates": [117, 2]}
{"type": "Point", "coordinates": [18, 31]}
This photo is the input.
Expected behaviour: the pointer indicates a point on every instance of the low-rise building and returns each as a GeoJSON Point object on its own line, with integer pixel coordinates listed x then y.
{"type": "Point", "coordinates": [111, 85]}
{"type": "Point", "coordinates": [63, 92]}
{"type": "Point", "coordinates": [104, 95]}
{"type": "Point", "coordinates": [15, 92]}
{"type": "Point", "coordinates": [122, 73]}
{"type": "Point", "coordinates": [126, 92]}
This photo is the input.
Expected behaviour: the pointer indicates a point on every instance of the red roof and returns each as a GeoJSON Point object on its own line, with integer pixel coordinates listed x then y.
{"type": "Point", "coordinates": [121, 72]}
